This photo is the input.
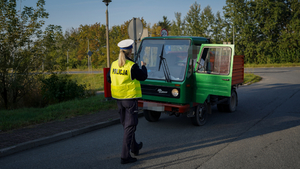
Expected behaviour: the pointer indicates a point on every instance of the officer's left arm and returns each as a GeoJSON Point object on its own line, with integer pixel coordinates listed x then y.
{"type": "Point", "coordinates": [139, 74]}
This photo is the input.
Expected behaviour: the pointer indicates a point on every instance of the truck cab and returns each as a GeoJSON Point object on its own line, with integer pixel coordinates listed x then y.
{"type": "Point", "coordinates": [188, 75]}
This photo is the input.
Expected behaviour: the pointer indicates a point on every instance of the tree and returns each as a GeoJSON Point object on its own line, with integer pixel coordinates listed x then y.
{"type": "Point", "coordinates": [288, 43]}
{"type": "Point", "coordinates": [265, 30]}
{"type": "Point", "coordinates": [19, 52]}
{"type": "Point", "coordinates": [241, 20]}
{"type": "Point", "coordinates": [165, 24]}
{"type": "Point", "coordinates": [72, 47]}
{"type": "Point", "coordinates": [193, 21]}
{"type": "Point", "coordinates": [155, 30]}
{"type": "Point", "coordinates": [53, 48]}
{"type": "Point", "coordinates": [91, 37]}
{"type": "Point", "coordinates": [115, 37]}
{"type": "Point", "coordinates": [217, 29]}
{"type": "Point", "coordinates": [97, 44]}
{"type": "Point", "coordinates": [207, 21]}
{"type": "Point", "coordinates": [177, 27]}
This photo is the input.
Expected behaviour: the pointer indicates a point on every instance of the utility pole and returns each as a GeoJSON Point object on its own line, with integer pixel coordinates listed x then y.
{"type": "Point", "coordinates": [107, 39]}
{"type": "Point", "coordinates": [68, 61]}
{"type": "Point", "coordinates": [88, 55]}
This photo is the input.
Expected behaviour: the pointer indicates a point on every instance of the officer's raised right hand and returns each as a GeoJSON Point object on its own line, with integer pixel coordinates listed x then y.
{"type": "Point", "coordinates": [143, 63]}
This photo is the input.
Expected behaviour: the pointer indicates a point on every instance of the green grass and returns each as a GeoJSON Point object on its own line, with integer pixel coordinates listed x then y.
{"type": "Point", "coordinates": [13, 119]}
{"type": "Point", "coordinates": [272, 65]}
{"type": "Point", "coordinates": [92, 81]}
{"type": "Point", "coordinates": [76, 70]}
{"type": "Point", "coordinates": [250, 78]}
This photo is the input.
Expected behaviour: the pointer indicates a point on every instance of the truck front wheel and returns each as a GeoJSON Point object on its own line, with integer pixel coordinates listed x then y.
{"type": "Point", "coordinates": [151, 116]}
{"type": "Point", "coordinates": [201, 115]}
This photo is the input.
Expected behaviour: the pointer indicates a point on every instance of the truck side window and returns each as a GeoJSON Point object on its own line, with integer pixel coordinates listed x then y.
{"type": "Point", "coordinates": [202, 62]}
{"type": "Point", "coordinates": [215, 60]}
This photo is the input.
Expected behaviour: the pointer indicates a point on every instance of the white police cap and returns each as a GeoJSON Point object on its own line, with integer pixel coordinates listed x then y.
{"type": "Point", "coordinates": [126, 44]}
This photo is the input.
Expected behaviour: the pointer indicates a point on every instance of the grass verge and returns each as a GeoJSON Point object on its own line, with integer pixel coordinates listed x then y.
{"type": "Point", "coordinates": [250, 78]}
{"type": "Point", "coordinates": [85, 69]}
{"type": "Point", "coordinates": [92, 81]}
{"type": "Point", "coordinates": [272, 65]}
{"type": "Point", "coordinates": [13, 119]}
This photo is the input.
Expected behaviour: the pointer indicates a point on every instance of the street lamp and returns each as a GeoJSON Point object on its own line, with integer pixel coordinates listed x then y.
{"type": "Point", "coordinates": [107, 88]}
{"type": "Point", "coordinates": [106, 2]}
{"type": "Point", "coordinates": [107, 41]}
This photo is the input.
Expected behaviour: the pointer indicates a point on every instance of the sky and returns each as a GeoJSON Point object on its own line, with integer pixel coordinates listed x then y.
{"type": "Point", "coordinates": [73, 13]}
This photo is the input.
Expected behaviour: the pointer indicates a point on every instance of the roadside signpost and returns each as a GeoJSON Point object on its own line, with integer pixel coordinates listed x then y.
{"type": "Point", "coordinates": [90, 53]}
{"type": "Point", "coordinates": [164, 32]}
{"type": "Point", "coordinates": [135, 31]}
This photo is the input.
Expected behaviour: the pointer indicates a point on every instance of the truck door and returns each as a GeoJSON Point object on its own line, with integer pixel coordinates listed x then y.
{"type": "Point", "coordinates": [213, 71]}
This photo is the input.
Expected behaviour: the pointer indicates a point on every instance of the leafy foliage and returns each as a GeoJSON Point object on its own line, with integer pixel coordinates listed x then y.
{"type": "Point", "coordinates": [58, 89]}
{"type": "Point", "coordinates": [265, 31]}
{"type": "Point", "coordinates": [178, 26]}
{"type": "Point", "coordinates": [19, 53]}
{"type": "Point", "coordinates": [165, 24]}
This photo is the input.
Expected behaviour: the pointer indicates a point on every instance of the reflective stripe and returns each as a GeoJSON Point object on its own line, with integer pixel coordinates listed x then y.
{"type": "Point", "coordinates": [125, 87]}
{"type": "Point", "coordinates": [129, 94]}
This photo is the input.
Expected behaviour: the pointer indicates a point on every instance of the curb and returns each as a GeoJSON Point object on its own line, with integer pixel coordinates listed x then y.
{"type": "Point", "coordinates": [57, 137]}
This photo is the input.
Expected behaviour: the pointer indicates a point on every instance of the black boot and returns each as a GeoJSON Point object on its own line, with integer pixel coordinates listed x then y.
{"type": "Point", "coordinates": [129, 160]}
{"type": "Point", "coordinates": [138, 151]}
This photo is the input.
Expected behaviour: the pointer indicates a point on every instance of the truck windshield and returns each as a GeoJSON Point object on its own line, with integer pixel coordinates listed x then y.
{"type": "Point", "coordinates": [173, 51]}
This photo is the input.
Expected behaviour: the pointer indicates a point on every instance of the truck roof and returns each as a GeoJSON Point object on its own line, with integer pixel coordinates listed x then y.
{"type": "Point", "coordinates": [195, 40]}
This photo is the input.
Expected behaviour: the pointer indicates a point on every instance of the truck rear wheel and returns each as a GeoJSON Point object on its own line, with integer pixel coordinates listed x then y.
{"type": "Point", "coordinates": [201, 115]}
{"type": "Point", "coordinates": [151, 116]}
{"type": "Point", "coordinates": [232, 102]}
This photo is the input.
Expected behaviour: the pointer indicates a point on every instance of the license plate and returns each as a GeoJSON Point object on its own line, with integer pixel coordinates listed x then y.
{"type": "Point", "coordinates": [153, 106]}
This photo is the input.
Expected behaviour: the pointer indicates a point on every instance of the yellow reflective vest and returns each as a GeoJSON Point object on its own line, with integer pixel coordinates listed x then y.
{"type": "Point", "coordinates": [122, 86]}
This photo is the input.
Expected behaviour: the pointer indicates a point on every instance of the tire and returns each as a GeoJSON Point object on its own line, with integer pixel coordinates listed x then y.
{"type": "Point", "coordinates": [151, 116]}
{"type": "Point", "coordinates": [232, 102]}
{"type": "Point", "coordinates": [201, 115]}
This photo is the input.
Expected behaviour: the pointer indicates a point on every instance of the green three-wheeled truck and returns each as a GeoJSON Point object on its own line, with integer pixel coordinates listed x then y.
{"type": "Point", "coordinates": [188, 75]}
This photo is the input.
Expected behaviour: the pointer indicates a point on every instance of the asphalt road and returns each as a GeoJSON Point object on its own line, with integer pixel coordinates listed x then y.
{"type": "Point", "coordinates": [264, 132]}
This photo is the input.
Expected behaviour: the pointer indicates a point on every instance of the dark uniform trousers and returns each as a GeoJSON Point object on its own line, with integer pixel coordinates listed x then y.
{"type": "Point", "coordinates": [128, 110]}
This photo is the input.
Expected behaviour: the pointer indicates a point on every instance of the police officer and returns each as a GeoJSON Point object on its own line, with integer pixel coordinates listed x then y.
{"type": "Point", "coordinates": [124, 77]}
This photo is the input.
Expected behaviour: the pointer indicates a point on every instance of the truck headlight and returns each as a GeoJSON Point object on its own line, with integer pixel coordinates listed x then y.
{"type": "Point", "coordinates": [175, 92]}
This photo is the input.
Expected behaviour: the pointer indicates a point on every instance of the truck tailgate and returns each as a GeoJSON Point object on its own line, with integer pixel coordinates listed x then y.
{"type": "Point", "coordinates": [238, 70]}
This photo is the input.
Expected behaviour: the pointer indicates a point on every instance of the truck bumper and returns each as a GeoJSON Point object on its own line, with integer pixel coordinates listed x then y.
{"type": "Point", "coordinates": [161, 107]}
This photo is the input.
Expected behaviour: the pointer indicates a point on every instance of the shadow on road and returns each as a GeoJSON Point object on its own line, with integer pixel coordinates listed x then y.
{"type": "Point", "coordinates": [261, 111]}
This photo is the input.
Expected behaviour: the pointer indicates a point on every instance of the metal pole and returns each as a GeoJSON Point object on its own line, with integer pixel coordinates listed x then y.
{"type": "Point", "coordinates": [107, 40]}
{"type": "Point", "coordinates": [134, 35]}
{"type": "Point", "coordinates": [68, 61]}
{"type": "Point", "coordinates": [91, 65]}
{"type": "Point", "coordinates": [88, 55]}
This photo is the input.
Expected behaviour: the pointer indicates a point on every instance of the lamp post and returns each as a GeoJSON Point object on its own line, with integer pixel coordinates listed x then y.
{"type": "Point", "coordinates": [107, 41]}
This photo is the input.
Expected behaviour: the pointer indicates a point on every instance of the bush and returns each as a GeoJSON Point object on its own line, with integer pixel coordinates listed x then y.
{"type": "Point", "coordinates": [32, 98]}
{"type": "Point", "coordinates": [21, 91]}
{"type": "Point", "coordinates": [57, 89]}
